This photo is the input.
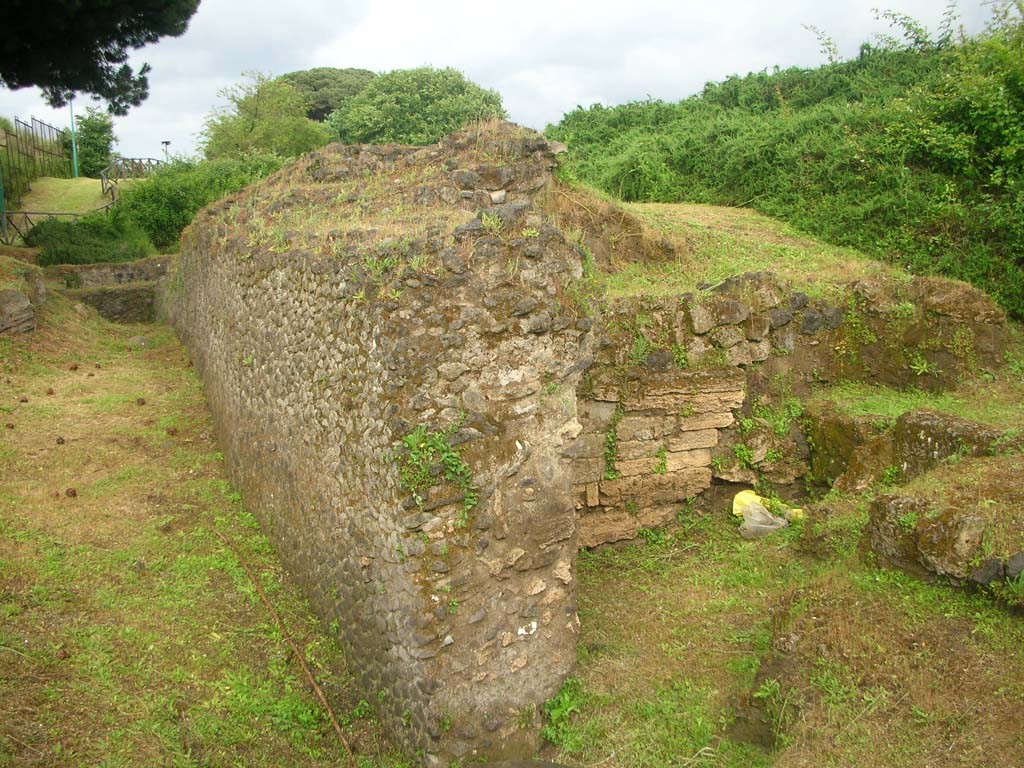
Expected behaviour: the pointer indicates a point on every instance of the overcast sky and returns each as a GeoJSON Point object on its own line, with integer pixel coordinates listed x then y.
{"type": "Point", "coordinates": [545, 57]}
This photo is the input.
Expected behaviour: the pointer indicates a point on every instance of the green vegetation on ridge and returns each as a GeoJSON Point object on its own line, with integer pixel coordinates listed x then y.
{"type": "Point", "coordinates": [912, 153]}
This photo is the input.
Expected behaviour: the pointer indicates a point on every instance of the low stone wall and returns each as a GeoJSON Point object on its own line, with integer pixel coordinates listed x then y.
{"type": "Point", "coordinates": [681, 386]}
{"type": "Point", "coordinates": [429, 409]}
{"type": "Point", "coordinates": [122, 303]}
{"type": "Point", "coordinates": [95, 275]}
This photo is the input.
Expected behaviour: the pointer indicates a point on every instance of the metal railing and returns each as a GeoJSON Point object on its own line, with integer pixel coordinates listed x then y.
{"type": "Point", "coordinates": [31, 150]}
{"type": "Point", "coordinates": [126, 168]}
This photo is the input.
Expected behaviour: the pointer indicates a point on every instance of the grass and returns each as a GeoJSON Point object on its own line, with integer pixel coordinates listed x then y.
{"type": "Point", "coordinates": [52, 195]}
{"type": "Point", "coordinates": [129, 631]}
{"type": "Point", "coordinates": [715, 243]}
{"type": "Point", "coordinates": [997, 402]}
{"type": "Point", "coordinates": [699, 648]}
{"type": "Point", "coordinates": [13, 273]}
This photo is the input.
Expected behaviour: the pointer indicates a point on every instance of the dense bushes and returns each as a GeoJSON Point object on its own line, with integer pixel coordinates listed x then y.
{"type": "Point", "coordinates": [151, 214]}
{"type": "Point", "coordinates": [93, 239]}
{"type": "Point", "coordinates": [414, 106]}
{"type": "Point", "coordinates": [165, 204]}
{"type": "Point", "coordinates": [912, 153]}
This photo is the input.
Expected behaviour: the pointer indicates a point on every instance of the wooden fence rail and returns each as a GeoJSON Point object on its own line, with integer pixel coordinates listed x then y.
{"type": "Point", "coordinates": [126, 168]}
{"type": "Point", "coordinates": [16, 224]}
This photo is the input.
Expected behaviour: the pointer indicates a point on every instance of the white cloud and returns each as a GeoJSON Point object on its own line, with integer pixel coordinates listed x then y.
{"type": "Point", "coordinates": [543, 56]}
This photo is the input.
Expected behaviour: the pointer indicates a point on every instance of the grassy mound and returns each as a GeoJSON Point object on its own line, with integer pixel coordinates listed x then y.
{"type": "Point", "coordinates": [910, 153]}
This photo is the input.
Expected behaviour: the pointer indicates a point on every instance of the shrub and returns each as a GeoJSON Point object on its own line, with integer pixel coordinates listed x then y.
{"type": "Point", "coordinates": [95, 140]}
{"type": "Point", "coordinates": [913, 153]}
{"type": "Point", "coordinates": [163, 205]}
{"type": "Point", "coordinates": [93, 239]}
{"type": "Point", "coordinates": [414, 106]}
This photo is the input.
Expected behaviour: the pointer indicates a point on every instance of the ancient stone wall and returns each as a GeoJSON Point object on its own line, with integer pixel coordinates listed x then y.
{"type": "Point", "coordinates": [430, 408]}
{"type": "Point", "coordinates": [398, 412]}
{"type": "Point", "coordinates": [683, 389]}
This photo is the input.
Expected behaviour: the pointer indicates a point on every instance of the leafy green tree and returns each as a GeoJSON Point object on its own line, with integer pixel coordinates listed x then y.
{"type": "Point", "coordinates": [94, 135]}
{"type": "Point", "coordinates": [328, 89]}
{"type": "Point", "coordinates": [414, 106]}
{"type": "Point", "coordinates": [64, 47]}
{"type": "Point", "coordinates": [264, 116]}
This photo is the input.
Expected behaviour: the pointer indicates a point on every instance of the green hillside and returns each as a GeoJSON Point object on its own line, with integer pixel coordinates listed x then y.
{"type": "Point", "coordinates": [913, 152]}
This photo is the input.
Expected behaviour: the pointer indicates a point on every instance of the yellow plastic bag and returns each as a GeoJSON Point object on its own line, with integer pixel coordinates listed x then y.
{"type": "Point", "coordinates": [757, 520]}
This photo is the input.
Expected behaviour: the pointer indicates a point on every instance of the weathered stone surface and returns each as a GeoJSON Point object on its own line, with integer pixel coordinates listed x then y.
{"type": "Point", "coordinates": [118, 273]}
{"type": "Point", "coordinates": [955, 300]}
{"type": "Point", "coordinates": [779, 317]}
{"type": "Point", "coordinates": [988, 573]}
{"type": "Point", "coordinates": [315, 370]}
{"type": "Point", "coordinates": [923, 438]}
{"type": "Point", "coordinates": [835, 438]}
{"type": "Point", "coordinates": [892, 529]}
{"type": "Point", "coordinates": [691, 440]}
{"type": "Point", "coordinates": [727, 336]}
{"type": "Point", "coordinates": [1014, 565]}
{"type": "Point", "coordinates": [121, 302]}
{"type": "Point", "coordinates": [948, 543]}
{"type": "Point", "coordinates": [701, 319]}
{"type": "Point", "coordinates": [729, 311]}
{"type": "Point", "coordinates": [16, 313]}
{"type": "Point", "coordinates": [656, 489]}
{"type": "Point", "coordinates": [758, 326]}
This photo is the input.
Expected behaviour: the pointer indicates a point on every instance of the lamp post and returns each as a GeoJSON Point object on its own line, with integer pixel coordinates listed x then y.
{"type": "Point", "coordinates": [167, 156]}
{"type": "Point", "coordinates": [74, 141]}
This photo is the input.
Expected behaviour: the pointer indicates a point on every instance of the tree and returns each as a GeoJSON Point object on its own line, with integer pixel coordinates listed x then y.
{"type": "Point", "coordinates": [414, 106]}
{"type": "Point", "coordinates": [94, 134]}
{"type": "Point", "coordinates": [264, 116]}
{"type": "Point", "coordinates": [64, 47]}
{"type": "Point", "coordinates": [328, 89]}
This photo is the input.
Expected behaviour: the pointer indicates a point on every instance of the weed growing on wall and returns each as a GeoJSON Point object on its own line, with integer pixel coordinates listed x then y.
{"type": "Point", "coordinates": [425, 450]}
{"type": "Point", "coordinates": [611, 446]}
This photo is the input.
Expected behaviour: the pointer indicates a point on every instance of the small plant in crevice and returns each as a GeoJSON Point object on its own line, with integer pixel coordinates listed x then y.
{"type": "Point", "coordinates": [492, 223]}
{"type": "Point", "coordinates": [908, 521]}
{"type": "Point", "coordinates": [424, 450]}
{"type": "Point", "coordinates": [661, 467]}
{"type": "Point", "coordinates": [611, 445]}
{"type": "Point", "coordinates": [640, 350]}
{"type": "Point", "coordinates": [919, 364]}
{"type": "Point", "coordinates": [891, 476]}
{"type": "Point", "coordinates": [744, 455]}
{"type": "Point", "coordinates": [680, 357]}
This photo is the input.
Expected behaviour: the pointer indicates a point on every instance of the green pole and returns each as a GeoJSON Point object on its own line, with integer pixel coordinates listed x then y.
{"type": "Point", "coordinates": [3, 211]}
{"type": "Point", "coordinates": [74, 142]}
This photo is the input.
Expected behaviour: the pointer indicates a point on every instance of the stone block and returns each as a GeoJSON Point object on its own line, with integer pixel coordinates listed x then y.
{"type": "Point", "coordinates": [656, 489]}
{"type": "Point", "coordinates": [694, 439]}
{"type": "Point", "coordinates": [16, 313]}
{"type": "Point", "coordinates": [757, 327]}
{"type": "Point", "coordinates": [587, 470]}
{"type": "Point", "coordinates": [645, 427]}
{"type": "Point", "coordinates": [705, 421]}
{"type": "Point", "coordinates": [727, 336]}
{"type": "Point", "coordinates": [679, 460]}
